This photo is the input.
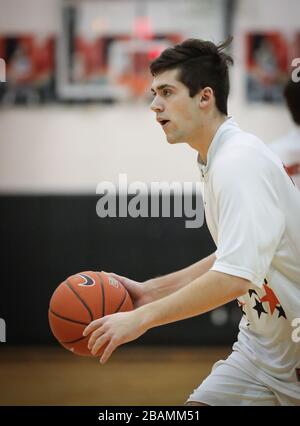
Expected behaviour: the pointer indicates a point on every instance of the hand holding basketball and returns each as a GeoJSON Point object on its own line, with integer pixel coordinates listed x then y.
{"type": "Point", "coordinates": [113, 331]}
{"type": "Point", "coordinates": [138, 291]}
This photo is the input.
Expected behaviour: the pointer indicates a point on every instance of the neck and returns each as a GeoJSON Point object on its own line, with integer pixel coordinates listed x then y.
{"type": "Point", "coordinates": [205, 135]}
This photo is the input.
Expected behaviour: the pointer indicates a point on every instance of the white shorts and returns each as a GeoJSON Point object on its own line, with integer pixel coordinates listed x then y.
{"type": "Point", "coordinates": [230, 383]}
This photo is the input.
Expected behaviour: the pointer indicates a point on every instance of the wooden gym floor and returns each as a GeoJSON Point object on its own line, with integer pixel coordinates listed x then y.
{"type": "Point", "coordinates": [133, 376]}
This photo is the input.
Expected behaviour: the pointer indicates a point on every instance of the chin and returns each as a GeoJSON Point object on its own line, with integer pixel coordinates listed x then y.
{"type": "Point", "coordinates": [170, 141]}
{"type": "Point", "coordinates": [173, 141]}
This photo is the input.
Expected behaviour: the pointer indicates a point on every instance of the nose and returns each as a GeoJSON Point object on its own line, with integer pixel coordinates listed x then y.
{"type": "Point", "coordinates": [156, 106]}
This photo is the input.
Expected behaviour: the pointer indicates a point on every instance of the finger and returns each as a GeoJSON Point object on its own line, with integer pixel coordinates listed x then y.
{"type": "Point", "coordinates": [108, 351]}
{"type": "Point", "coordinates": [118, 277]}
{"type": "Point", "coordinates": [99, 343]}
{"type": "Point", "coordinates": [94, 336]}
{"type": "Point", "coordinates": [92, 326]}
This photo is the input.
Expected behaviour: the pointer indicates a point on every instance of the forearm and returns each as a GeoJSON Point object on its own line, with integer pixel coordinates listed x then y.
{"type": "Point", "coordinates": [203, 294]}
{"type": "Point", "coordinates": [168, 284]}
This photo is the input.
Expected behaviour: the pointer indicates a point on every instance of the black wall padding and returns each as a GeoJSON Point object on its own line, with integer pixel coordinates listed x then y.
{"type": "Point", "coordinates": [45, 239]}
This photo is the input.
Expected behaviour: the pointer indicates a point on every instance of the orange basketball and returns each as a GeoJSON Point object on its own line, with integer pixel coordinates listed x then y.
{"type": "Point", "coordinates": [81, 299]}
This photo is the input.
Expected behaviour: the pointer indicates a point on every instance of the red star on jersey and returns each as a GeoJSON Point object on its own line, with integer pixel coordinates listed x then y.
{"type": "Point", "coordinates": [292, 169]}
{"type": "Point", "coordinates": [270, 298]}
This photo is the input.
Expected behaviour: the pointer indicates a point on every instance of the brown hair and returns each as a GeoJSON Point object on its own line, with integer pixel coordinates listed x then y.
{"type": "Point", "coordinates": [292, 97]}
{"type": "Point", "coordinates": [201, 64]}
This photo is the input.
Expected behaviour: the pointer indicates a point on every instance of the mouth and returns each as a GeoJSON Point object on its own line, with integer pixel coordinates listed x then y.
{"type": "Point", "coordinates": [163, 123]}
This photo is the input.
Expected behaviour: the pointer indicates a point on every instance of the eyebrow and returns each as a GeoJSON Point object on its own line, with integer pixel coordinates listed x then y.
{"type": "Point", "coordinates": [161, 87]}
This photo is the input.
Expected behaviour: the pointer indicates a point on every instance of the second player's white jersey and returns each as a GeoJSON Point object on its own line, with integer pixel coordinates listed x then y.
{"type": "Point", "coordinates": [288, 150]}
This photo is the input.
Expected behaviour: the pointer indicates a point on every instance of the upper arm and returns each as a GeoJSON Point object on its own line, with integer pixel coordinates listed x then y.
{"type": "Point", "coordinates": [238, 284]}
{"type": "Point", "coordinates": [250, 220]}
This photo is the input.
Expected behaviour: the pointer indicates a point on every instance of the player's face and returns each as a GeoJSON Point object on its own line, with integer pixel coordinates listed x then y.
{"type": "Point", "coordinates": [177, 113]}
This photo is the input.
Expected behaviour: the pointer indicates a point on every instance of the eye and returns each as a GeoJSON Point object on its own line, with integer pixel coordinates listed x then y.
{"type": "Point", "coordinates": [166, 92]}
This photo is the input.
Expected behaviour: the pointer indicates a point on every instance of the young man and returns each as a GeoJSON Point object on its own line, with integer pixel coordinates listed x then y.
{"type": "Point", "coordinates": [288, 147]}
{"type": "Point", "coordinates": [253, 213]}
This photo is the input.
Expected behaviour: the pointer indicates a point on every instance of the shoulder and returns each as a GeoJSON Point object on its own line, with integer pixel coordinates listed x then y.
{"type": "Point", "coordinates": [244, 162]}
{"type": "Point", "coordinates": [242, 152]}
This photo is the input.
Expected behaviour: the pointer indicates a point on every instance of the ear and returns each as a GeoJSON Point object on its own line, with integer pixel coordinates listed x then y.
{"type": "Point", "coordinates": [205, 97]}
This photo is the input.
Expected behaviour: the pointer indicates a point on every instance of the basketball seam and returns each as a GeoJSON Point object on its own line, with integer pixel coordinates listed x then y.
{"type": "Point", "coordinates": [74, 341]}
{"type": "Point", "coordinates": [123, 300]}
{"type": "Point", "coordinates": [81, 300]}
{"type": "Point", "coordinates": [103, 293]}
{"type": "Point", "coordinates": [67, 319]}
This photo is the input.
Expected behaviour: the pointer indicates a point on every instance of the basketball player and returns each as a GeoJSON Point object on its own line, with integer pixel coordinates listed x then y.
{"type": "Point", "coordinates": [253, 213]}
{"type": "Point", "coordinates": [288, 147]}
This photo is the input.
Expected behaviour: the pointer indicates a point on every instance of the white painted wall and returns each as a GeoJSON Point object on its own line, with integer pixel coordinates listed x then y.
{"type": "Point", "coordinates": [29, 16]}
{"type": "Point", "coordinates": [267, 121]}
{"type": "Point", "coordinates": [71, 149]}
